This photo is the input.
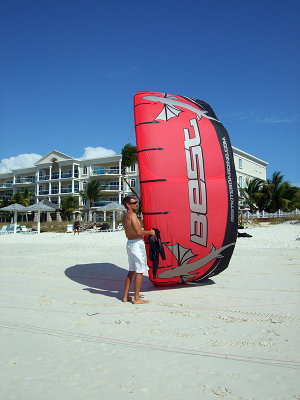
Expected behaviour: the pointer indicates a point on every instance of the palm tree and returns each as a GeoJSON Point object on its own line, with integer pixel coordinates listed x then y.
{"type": "Point", "coordinates": [92, 193]}
{"type": "Point", "coordinates": [129, 158]}
{"type": "Point", "coordinates": [291, 197]}
{"type": "Point", "coordinates": [252, 192]}
{"type": "Point", "coordinates": [277, 200]}
{"type": "Point", "coordinates": [68, 206]}
{"type": "Point", "coordinates": [24, 197]}
{"type": "Point", "coordinates": [271, 196]}
{"type": "Point", "coordinates": [17, 198]}
{"type": "Point", "coordinates": [263, 197]}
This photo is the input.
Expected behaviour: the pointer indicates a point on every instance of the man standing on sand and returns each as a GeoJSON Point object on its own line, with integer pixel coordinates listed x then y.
{"type": "Point", "coordinates": [137, 258]}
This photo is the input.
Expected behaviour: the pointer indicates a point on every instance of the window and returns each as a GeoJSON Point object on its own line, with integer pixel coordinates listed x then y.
{"type": "Point", "coordinates": [84, 170]}
{"type": "Point", "coordinates": [132, 168]}
{"type": "Point", "coordinates": [98, 170]}
{"type": "Point", "coordinates": [240, 163]}
{"type": "Point", "coordinates": [114, 185]}
{"type": "Point", "coordinates": [132, 182]}
{"type": "Point", "coordinates": [240, 181]}
{"type": "Point", "coordinates": [114, 169]}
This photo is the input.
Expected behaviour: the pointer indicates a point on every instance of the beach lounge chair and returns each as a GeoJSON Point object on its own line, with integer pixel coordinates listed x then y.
{"type": "Point", "coordinates": [69, 229]}
{"type": "Point", "coordinates": [24, 229]}
{"type": "Point", "coordinates": [3, 230]}
{"type": "Point", "coordinates": [10, 228]}
{"type": "Point", "coordinates": [105, 228]}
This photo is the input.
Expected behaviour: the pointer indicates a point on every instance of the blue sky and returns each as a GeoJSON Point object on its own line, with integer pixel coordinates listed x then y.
{"type": "Point", "coordinates": [69, 71]}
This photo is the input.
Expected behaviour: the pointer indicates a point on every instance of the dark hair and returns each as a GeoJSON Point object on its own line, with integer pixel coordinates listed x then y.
{"type": "Point", "coordinates": [127, 199]}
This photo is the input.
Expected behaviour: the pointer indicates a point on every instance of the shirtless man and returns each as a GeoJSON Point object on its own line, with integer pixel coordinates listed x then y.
{"type": "Point", "coordinates": [137, 258]}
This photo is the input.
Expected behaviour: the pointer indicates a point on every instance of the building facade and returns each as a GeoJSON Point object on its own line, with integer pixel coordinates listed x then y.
{"type": "Point", "coordinates": [248, 166]}
{"type": "Point", "coordinates": [57, 175]}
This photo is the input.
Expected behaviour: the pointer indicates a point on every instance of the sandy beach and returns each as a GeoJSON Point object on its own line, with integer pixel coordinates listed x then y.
{"type": "Point", "coordinates": [65, 333]}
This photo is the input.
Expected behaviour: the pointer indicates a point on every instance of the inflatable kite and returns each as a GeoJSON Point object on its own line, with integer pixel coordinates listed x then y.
{"type": "Point", "coordinates": [188, 187]}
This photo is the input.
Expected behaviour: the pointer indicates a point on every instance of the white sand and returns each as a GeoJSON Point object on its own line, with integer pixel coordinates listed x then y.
{"type": "Point", "coordinates": [66, 334]}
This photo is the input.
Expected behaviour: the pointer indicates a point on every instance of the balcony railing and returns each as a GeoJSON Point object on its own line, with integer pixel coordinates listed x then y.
{"type": "Point", "coordinates": [100, 203]}
{"type": "Point", "coordinates": [113, 187]}
{"type": "Point", "coordinates": [44, 177]}
{"type": "Point", "coordinates": [25, 180]}
{"type": "Point", "coordinates": [105, 171]}
{"type": "Point", "coordinates": [44, 191]}
{"type": "Point", "coordinates": [6, 185]}
{"type": "Point", "coordinates": [66, 190]}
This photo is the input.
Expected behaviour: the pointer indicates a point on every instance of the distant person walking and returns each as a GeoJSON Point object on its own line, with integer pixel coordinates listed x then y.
{"type": "Point", "coordinates": [137, 258]}
{"type": "Point", "coordinates": [76, 226]}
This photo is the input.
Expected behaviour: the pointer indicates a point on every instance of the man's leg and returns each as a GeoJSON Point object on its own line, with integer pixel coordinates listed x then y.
{"type": "Point", "coordinates": [128, 281]}
{"type": "Point", "coordinates": [137, 287]}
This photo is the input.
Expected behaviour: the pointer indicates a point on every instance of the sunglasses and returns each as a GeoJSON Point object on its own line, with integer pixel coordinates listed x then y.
{"type": "Point", "coordinates": [133, 202]}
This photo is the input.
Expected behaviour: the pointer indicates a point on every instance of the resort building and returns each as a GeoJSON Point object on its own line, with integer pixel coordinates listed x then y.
{"type": "Point", "coordinates": [57, 175]}
{"type": "Point", "coordinates": [248, 166]}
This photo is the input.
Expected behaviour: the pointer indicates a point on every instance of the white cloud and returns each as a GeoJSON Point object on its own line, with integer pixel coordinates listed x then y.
{"type": "Point", "coordinates": [28, 160]}
{"type": "Point", "coordinates": [20, 161]}
{"type": "Point", "coordinates": [96, 152]}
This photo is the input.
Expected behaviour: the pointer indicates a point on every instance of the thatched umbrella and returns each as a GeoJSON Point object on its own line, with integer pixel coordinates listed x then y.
{"type": "Point", "coordinates": [39, 207]}
{"type": "Point", "coordinates": [15, 208]}
{"type": "Point", "coordinates": [113, 206]}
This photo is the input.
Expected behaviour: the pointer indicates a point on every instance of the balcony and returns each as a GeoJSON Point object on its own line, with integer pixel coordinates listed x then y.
{"type": "Point", "coordinates": [114, 188]}
{"type": "Point", "coordinates": [6, 185]}
{"type": "Point", "coordinates": [66, 190]}
{"type": "Point", "coordinates": [105, 171]}
{"type": "Point", "coordinates": [66, 175]}
{"type": "Point", "coordinates": [43, 178]}
{"type": "Point", "coordinates": [100, 203]}
{"type": "Point", "coordinates": [24, 181]}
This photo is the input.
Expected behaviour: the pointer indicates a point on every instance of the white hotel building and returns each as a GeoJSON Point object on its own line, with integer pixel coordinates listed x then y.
{"type": "Point", "coordinates": [57, 175]}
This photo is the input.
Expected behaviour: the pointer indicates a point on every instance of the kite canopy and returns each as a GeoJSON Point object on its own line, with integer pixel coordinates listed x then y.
{"type": "Point", "coordinates": [188, 185]}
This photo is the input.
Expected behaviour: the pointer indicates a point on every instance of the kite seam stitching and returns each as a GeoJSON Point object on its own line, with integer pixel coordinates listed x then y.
{"type": "Point", "coordinates": [153, 180]}
{"type": "Point", "coordinates": [154, 148]}
{"type": "Point", "coordinates": [153, 213]}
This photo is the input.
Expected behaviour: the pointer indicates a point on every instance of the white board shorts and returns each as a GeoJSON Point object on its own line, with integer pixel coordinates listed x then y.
{"type": "Point", "coordinates": [137, 258]}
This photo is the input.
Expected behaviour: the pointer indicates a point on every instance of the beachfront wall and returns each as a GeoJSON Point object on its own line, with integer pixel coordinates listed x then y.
{"type": "Point", "coordinates": [277, 214]}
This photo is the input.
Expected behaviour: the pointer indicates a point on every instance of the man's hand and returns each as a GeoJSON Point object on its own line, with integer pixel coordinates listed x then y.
{"type": "Point", "coordinates": [152, 232]}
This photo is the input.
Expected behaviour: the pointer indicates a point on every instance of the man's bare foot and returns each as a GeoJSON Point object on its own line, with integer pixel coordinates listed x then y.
{"type": "Point", "coordinates": [128, 299]}
{"type": "Point", "coordinates": [140, 301]}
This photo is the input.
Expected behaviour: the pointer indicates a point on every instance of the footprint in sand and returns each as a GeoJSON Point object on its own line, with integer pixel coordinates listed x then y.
{"type": "Point", "coordinates": [45, 300]}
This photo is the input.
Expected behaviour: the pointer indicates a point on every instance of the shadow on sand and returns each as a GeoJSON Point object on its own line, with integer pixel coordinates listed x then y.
{"type": "Point", "coordinates": [109, 279]}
